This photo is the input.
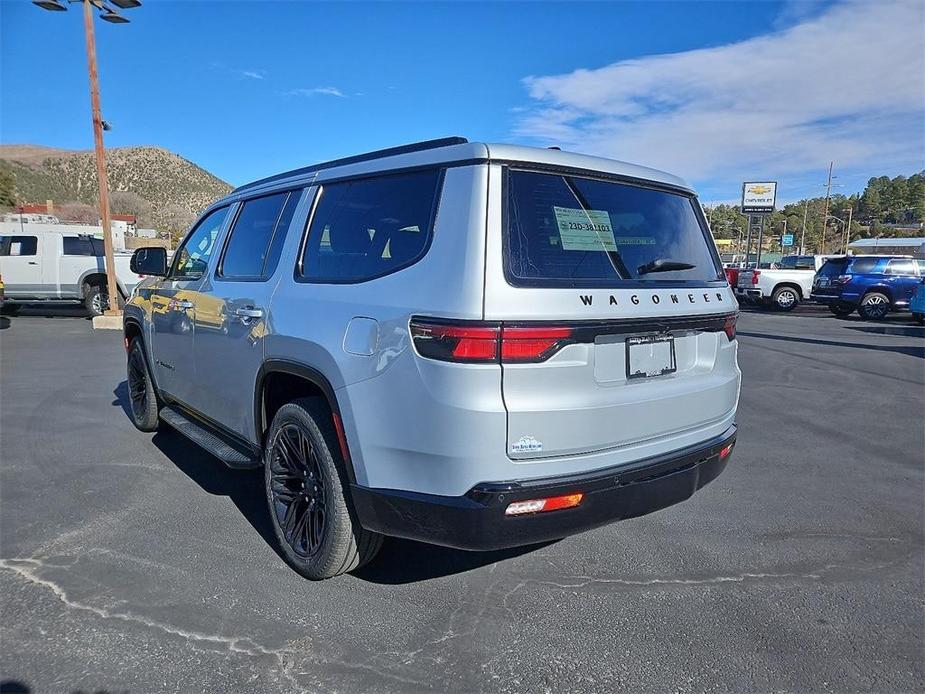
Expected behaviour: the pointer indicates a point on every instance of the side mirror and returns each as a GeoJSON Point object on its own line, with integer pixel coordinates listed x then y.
{"type": "Point", "coordinates": [150, 260]}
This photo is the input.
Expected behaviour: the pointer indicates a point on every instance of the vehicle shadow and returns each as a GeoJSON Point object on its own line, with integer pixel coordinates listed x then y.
{"type": "Point", "coordinates": [400, 561]}
{"type": "Point", "coordinates": [53, 311]}
{"type": "Point", "coordinates": [912, 351]}
{"type": "Point", "coordinates": [4, 322]}
{"type": "Point", "coordinates": [243, 487]}
{"type": "Point", "coordinates": [406, 561]}
{"type": "Point", "coordinates": [901, 330]}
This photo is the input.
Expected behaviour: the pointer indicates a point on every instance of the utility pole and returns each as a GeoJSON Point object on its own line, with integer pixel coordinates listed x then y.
{"type": "Point", "coordinates": [848, 227]}
{"type": "Point", "coordinates": [107, 14]}
{"type": "Point", "coordinates": [111, 282]}
{"type": "Point", "coordinates": [825, 212]}
{"type": "Point", "coordinates": [803, 233]}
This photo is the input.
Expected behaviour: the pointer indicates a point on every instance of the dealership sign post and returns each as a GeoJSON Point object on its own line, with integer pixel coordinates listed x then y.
{"type": "Point", "coordinates": [758, 199]}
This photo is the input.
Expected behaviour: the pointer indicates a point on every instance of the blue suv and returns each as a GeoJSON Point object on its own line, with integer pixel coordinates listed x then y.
{"type": "Point", "coordinates": [874, 285]}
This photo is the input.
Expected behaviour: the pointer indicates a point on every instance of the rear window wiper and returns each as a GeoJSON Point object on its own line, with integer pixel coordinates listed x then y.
{"type": "Point", "coordinates": [663, 265]}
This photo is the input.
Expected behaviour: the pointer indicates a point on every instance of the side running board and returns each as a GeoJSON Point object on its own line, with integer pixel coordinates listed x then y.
{"type": "Point", "coordinates": [232, 456]}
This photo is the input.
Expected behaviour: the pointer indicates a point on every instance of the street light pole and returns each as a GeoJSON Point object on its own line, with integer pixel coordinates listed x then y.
{"type": "Point", "coordinates": [848, 228]}
{"type": "Point", "coordinates": [803, 233]}
{"type": "Point", "coordinates": [825, 213]}
{"type": "Point", "coordinates": [108, 14]}
{"type": "Point", "coordinates": [102, 178]}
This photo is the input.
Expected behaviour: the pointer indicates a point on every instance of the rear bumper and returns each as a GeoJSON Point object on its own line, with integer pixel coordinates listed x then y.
{"type": "Point", "coordinates": [750, 294]}
{"type": "Point", "coordinates": [832, 299]}
{"type": "Point", "coordinates": [476, 520]}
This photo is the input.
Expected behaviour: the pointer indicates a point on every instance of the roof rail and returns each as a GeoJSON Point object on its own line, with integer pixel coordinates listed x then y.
{"type": "Point", "coordinates": [369, 156]}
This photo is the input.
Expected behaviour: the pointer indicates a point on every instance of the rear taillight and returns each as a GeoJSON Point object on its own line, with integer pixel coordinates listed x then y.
{"type": "Point", "coordinates": [470, 343]}
{"type": "Point", "coordinates": [522, 344]}
{"type": "Point", "coordinates": [843, 279]}
{"type": "Point", "coordinates": [484, 343]}
{"type": "Point", "coordinates": [729, 326]}
{"type": "Point", "coordinates": [755, 275]}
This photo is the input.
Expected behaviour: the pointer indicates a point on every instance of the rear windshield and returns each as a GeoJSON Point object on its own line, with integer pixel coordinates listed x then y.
{"type": "Point", "coordinates": [567, 231]}
{"type": "Point", "coordinates": [797, 262]}
{"type": "Point", "coordinates": [833, 268]}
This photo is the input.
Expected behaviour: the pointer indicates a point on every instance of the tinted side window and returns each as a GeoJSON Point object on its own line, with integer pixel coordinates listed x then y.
{"type": "Point", "coordinates": [368, 228]}
{"type": "Point", "coordinates": [788, 263]}
{"type": "Point", "coordinates": [192, 259]}
{"type": "Point", "coordinates": [861, 266]}
{"type": "Point", "coordinates": [83, 245]}
{"type": "Point", "coordinates": [901, 267]}
{"type": "Point", "coordinates": [19, 245]}
{"type": "Point", "coordinates": [260, 227]}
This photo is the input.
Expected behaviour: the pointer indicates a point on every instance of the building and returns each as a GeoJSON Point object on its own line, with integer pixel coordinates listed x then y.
{"type": "Point", "coordinates": [126, 224]}
{"type": "Point", "coordinates": [30, 218]}
{"type": "Point", "coordinates": [910, 245]}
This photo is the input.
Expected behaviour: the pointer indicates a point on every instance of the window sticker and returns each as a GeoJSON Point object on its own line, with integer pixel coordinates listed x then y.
{"type": "Point", "coordinates": [585, 230]}
{"type": "Point", "coordinates": [635, 241]}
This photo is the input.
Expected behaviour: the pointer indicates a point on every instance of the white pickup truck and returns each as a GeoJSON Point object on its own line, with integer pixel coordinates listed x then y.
{"type": "Point", "coordinates": [58, 266]}
{"type": "Point", "coordinates": [783, 287]}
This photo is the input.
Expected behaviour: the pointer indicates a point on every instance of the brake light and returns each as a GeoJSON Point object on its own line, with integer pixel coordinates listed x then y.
{"type": "Point", "coordinates": [486, 343]}
{"type": "Point", "coordinates": [843, 279]}
{"type": "Point", "coordinates": [729, 326]}
{"type": "Point", "coordinates": [553, 503]}
{"type": "Point", "coordinates": [755, 275]}
{"type": "Point", "coordinates": [470, 343]}
{"type": "Point", "coordinates": [522, 344]}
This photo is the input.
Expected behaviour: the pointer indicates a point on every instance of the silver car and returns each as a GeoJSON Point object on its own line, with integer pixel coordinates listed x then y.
{"type": "Point", "coordinates": [473, 345]}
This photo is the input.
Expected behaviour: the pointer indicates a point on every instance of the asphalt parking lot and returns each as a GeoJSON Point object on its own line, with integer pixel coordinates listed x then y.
{"type": "Point", "coordinates": [134, 562]}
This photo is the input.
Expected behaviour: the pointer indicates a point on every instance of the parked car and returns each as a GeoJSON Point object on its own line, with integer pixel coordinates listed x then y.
{"type": "Point", "coordinates": [917, 305]}
{"type": "Point", "coordinates": [478, 346]}
{"type": "Point", "coordinates": [59, 266]}
{"type": "Point", "coordinates": [874, 285]}
{"type": "Point", "coordinates": [783, 287]}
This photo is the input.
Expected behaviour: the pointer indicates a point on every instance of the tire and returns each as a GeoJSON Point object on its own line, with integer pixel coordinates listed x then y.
{"type": "Point", "coordinates": [142, 396]}
{"type": "Point", "coordinates": [96, 299]}
{"type": "Point", "coordinates": [874, 306]}
{"type": "Point", "coordinates": [919, 318]}
{"type": "Point", "coordinates": [785, 298]}
{"type": "Point", "coordinates": [305, 484]}
{"type": "Point", "coordinates": [841, 310]}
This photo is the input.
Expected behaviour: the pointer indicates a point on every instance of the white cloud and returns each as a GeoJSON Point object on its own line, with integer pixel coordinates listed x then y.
{"type": "Point", "coordinates": [326, 91]}
{"type": "Point", "coordinates": [254, 74]}
{"type": "Point", "coordinates": [847, 84]}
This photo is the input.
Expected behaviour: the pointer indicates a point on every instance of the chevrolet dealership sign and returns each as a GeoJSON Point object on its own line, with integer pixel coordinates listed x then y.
{"type": "Point", "coordinates": [759, 198]}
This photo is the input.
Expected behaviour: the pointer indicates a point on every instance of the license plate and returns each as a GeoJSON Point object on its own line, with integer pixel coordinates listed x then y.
{"type": "Point", "coordinates": [650, 355]}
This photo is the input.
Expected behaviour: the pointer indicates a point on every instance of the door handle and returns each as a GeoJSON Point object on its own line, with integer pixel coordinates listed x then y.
{"type": "Point", "coordinates": [182, 304]}
{"type": "Point", "coordinates": [32, 262]}
{"type": "Point", "coordinates": [246, 314]}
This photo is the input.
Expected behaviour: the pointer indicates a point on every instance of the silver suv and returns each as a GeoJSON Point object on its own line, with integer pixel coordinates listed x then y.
{"type": "Point", "coordinates": [474, 345]}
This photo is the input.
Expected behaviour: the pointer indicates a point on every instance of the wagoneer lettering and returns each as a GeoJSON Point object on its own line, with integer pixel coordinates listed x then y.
{"type": "Point", "coordinates": [395, 340]}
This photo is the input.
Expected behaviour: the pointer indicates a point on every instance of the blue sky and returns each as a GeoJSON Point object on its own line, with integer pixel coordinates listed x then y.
{"type": "Point", "coordinates": [715, 92]}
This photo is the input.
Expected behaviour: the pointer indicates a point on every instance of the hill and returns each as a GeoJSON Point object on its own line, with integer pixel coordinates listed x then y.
{"type": "Point", "coordinates": [163, 189]}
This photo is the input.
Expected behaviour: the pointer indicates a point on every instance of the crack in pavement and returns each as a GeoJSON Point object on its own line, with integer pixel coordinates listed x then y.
{"type": "Point", "coordinates": [816, 575]}
{"type": "Point", "coordinates": [28, 568]}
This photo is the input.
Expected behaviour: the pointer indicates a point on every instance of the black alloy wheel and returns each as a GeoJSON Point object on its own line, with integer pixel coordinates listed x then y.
{"type": "Point", "coordinates": [142, 397]}
{"type": "Point", "coordinates": [299, 490]}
